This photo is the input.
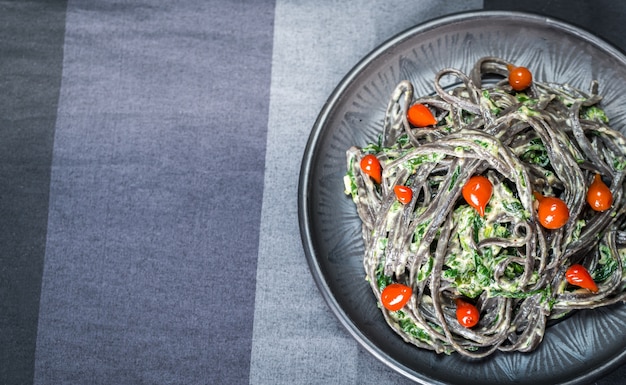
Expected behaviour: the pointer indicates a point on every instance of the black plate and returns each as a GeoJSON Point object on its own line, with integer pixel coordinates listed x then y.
{"type": "Point", "coordinates": [577, 350]}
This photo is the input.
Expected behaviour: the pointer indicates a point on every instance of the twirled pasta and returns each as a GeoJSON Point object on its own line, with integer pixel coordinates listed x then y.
{"type": "Point", "coordinates": [551, 139]}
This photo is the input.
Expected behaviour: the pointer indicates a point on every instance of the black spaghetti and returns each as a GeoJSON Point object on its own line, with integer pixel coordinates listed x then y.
{"type": "Point", "coordinates": [463, 248]}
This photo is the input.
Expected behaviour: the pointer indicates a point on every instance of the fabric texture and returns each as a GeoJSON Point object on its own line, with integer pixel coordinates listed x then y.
{"type": "Point", "coordinates": [155, 193]}
{"type": "Point", "coordinates": [31, 55]}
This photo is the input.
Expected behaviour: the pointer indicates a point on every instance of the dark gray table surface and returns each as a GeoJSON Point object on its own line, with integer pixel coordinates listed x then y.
{"type": "Point", "coordinates": [149, 157]}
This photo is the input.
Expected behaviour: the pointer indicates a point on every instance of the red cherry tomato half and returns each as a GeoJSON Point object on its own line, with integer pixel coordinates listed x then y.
{"type": "Point", "coordinates": [577, 275]}
{"type": "Point", "coordinates": [395, 296]}
{"type": "Point", "coordinates": [403, 193]}
{"type": "Point", "coordinates": [466, 313]}
{"type": "Point", "coordinates": [520, 78]}
{"type": "Point", "coordinates": [477, 193]}
{"type": "Point", "coordinates": [599, 195]}
{"type": "Point", "coordinates": [420, 116]}
{"type": "Point", "coordinates": [371, 166]}
{"type": "Point", "coordinates": [552, 212]}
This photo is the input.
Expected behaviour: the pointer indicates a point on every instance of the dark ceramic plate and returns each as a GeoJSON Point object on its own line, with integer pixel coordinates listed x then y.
{"type": "Point", "coordinates": [577, 350]}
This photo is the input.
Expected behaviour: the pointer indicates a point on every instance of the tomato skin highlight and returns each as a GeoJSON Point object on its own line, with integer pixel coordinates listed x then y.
{"type": "Point", "coordinates": [520, 78]}
{"type": "Point", "coordinates": [578, 275]}
{"type": "Point", "coordinates": [420, 116]}
{"type": "Point", "coordinates": [403, 193]}
{"type": "Point", "coordinates": [395, 296]}
{"type": "Point", "coordinates": [477, 193]}
{"type": "Point", "coordinates": [466, 313]}
{"type": "Point", "coordinates": [371, 166]}
{"type": "Point", "coordinates": [552, 212]}
{"type": "Point", "coordinates": [599, 195]}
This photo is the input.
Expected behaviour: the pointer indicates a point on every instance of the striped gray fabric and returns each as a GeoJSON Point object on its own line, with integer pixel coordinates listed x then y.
{"type": "Point", "coordinates": [31, 54]}
{"type": "Point", "coordinates": [155, 193]}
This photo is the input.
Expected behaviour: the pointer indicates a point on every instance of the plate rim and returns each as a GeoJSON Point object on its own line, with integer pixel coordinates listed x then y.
{"type": "Point", "coordinates": [304, 218]}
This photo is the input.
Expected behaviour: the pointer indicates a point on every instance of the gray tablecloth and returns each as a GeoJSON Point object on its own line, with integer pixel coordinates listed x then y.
{"type": "Point", "coordinates": [149, 159]}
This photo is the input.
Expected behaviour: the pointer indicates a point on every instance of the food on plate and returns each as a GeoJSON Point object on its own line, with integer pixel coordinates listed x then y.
{"type": "Point", "coordinates": [490, 208]}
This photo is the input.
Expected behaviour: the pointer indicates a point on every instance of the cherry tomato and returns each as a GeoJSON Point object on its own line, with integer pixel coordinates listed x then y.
{"type": "Point", "coordinates": [403, 193]}
{"type": "Point", "coordinates": [520, 78]}
{"type": "Point", "coordinates": [420, 116]}
{"type": "Point", "coordinates": [552, 212]}
{"type": "Point", "coordinates": [395, 296]}
{"type": "Point", "coordinates": [371, 166]}
{"type": "Point", "coordinates": [466, 313]}
{"type": "Point", "coordinates": [477, 192]}
{"type": "Point", "coordinates": [577, 275]}
{"type": "Point", "coordinates": [599, 195]}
